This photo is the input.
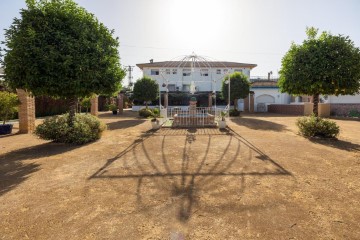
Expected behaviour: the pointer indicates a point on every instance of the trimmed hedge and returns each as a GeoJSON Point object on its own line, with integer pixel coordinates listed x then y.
{"type": "Point", "coordinates": [145, 112]}
{"type": "Point", "coordinates": [86, 128]}
{"type": "Point", "coordinates": [234, 113]}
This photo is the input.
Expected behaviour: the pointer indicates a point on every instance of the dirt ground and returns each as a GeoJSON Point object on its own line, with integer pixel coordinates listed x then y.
{"type": "Point", "coordinates": [256, 180]}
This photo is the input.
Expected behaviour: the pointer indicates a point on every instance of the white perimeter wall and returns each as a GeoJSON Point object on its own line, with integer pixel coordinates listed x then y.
{"type": "Point", "coordinates": [344, 99]}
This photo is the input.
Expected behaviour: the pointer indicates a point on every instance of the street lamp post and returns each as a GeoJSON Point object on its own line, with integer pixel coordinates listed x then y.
{"type": "Point", "coordinates": [229, 90]}
{"type": "Point", "coordinates": [228, 82]}
{"type": "Point", "coordinates": [159, 97]}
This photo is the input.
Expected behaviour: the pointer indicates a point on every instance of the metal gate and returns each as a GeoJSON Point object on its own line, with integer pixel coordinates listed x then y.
{"type": "Point", "coordinates": [194, 117]}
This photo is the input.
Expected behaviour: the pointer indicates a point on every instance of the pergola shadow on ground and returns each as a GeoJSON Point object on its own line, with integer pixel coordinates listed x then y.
{"type": "Point", "coordinates": [184, 164]}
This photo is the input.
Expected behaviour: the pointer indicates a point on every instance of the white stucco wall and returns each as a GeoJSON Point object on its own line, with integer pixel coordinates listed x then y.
{"type": "Point", "coordinates": [203, 83]}
{"type": "Point", "coordinates": [344, 99]}
{"type": "Point", "coordinates": [279, 98]}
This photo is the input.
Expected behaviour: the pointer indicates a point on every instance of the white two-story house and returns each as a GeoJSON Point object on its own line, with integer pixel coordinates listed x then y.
{"type": "Point", "coordinates": [192, 77]}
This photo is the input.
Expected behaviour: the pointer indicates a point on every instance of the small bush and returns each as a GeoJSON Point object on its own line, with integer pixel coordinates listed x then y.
{"type": "Point", "coordinates": [86, 128]}
{"type": "Point", "coordinates": [106, 107]}
{"type": "Point", "coordinates": [8, 105]}
{"type": "Point", "coordinates": [156, 112]}
{"type": "Point", "coordinates": [86, 103]}
{"type": "Point", "coordinates": [113, 107]}
{"type": "Point", "coordinates": [234, 113]}
{"type": "Point", "coordinates": [354, 113]}
{"type": "Point", "coordinates": [317, 127]}
{"type": "Point", "coordinates": [145, 112]}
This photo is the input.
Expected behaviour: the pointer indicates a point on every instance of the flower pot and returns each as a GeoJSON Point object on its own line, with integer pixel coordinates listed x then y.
{"type": "Point", "coordinates": [114, 112]}
{"type": "Point", "coordinates": [155, 124]}
{"type": "Point", "coordinates": [222, 124]}
{"type": "Point", "coordinates": [5, 129]}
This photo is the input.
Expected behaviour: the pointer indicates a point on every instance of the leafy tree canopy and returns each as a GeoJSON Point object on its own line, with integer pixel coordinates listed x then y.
{"type": "Point", "coordinates": [322, 64]}
{"type": "Point", "coordinates": [146, 89]}
{"type": "Point", "coordinates": [239, 86]}
{"type": "Point", "coordinates": [59, 49]}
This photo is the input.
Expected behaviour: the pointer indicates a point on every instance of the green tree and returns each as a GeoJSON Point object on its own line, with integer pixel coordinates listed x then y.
{"type": "Point", "coordinates": [86, 103]}
{"type": "Point", "coordinates": [322, 64]}
{"type": "Point", "coordinates": [239, 87]}
{"type": "Point", "coordinates": [59, 49]}
{"type": "Point", "coordinates": [9, 103]}
{"type": "Point", "coordinates": [146, 89]}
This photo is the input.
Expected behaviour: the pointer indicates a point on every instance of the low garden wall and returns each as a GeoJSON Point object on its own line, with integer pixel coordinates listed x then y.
{"type": "Point", "coordinates": [290, 109]}
{"type": "Point", "coordinates": [343, 109]}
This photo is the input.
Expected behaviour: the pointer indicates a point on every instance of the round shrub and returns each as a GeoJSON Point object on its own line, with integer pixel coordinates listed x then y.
{"type": "Point", "coordinates": [156, 112]}
{"type": "Point", "coordinates": [145, 112]}
{"type": "Point", "coordinates": [317, 127]}
{"type": "Point", "coordinates": [86, 128]}
{"type": "Point", "coordinates": [234, 113]}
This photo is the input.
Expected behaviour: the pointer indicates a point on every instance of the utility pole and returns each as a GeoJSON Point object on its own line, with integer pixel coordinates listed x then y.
{"type": "Point", "coordinates": [130, 77]}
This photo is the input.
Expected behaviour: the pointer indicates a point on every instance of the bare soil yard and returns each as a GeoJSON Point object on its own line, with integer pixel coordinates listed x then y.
{"type": "Point", "coordinates": [257, 180]}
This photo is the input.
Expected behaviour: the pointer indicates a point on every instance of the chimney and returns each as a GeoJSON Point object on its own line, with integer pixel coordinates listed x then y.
{"type": "Point", "coordinates": [151, 60]}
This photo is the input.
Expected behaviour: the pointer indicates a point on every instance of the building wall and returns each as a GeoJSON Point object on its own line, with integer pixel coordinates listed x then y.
{"type": "Point", "coordinates": [209, 83]}
{"type": "Point", "coordinates": [269, 93]}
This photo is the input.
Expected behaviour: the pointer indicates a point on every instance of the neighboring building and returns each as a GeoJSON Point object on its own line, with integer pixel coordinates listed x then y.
{"type": "Point", "coordinates": [204, 77]}
{"type": "Point", "coordinates": [266, 91]}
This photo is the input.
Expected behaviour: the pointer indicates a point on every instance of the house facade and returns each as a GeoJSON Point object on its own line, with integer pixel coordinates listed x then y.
{"type": "Point", "coordinates": [192, 77]}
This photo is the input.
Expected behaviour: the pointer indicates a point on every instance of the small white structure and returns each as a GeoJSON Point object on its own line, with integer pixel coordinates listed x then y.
{"type": "Point", "coordinates": [267, 92]}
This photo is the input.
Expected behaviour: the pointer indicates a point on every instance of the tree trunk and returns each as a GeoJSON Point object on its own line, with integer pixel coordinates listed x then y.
{"type": "Point", "coordinates": [316, 103]}
{"type": "Point", "coordinates": [235, 104]}
{"type": "Point", "coordinates": [5, 118]}
{"type": "Point", "coordinates": [72, 112]}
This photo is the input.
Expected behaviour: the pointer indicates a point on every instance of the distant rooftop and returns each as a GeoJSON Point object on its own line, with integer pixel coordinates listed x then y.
{"type": "Point", "coordinates": [264, 82]}
{"type": "Point", "coordinates": [263, 78]}
{"type": "Point", "coordinates": [198, 64]}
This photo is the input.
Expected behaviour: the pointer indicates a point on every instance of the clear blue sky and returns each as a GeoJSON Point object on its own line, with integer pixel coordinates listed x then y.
{"type": "Point", "coordinates": [250, 31]}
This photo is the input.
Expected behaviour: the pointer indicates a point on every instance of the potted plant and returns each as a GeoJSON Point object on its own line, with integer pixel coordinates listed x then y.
{"type": "Point", "coordinates": [113, 108]}
{"type": "Point", "coordinates": [155, 123]}
{"type": "Point", "coordinates": [8, 106]}
{"type": "Point", "coordinates": [86, 103]}
{"type": "Point", "coordinates": [222, 122]}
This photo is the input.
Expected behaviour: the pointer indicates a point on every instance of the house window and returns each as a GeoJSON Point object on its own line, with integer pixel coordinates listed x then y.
{"type": "Point", "coordinates": [186, 88]}
{"type": "Point", "coordinates": [154, 72]}
{"type": "Point", "coordinates": [171, 87]}
{"type": "Point", "coordinates": [204, 72]}
{"type": "Point", "coordinates": [167, 71]}
{"type": "Point", "coordinates": [238, 70]}
{"type": "Point", "coordinates": [186, 72]}
{"type": "Point", "coordinates": [174, 71]}
{"type": "Point", "coordinates": [218, 71]}
{"type": "Point", "coordinates": [226, 71]}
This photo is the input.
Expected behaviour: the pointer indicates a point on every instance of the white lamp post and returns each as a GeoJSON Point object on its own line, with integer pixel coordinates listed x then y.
{"type": "Point", "coordinates": [228, 82]}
